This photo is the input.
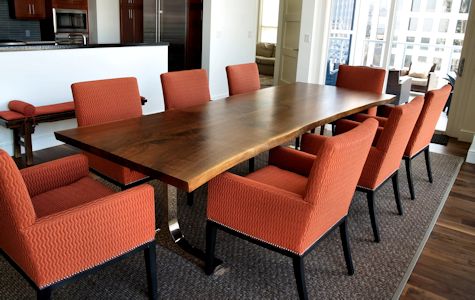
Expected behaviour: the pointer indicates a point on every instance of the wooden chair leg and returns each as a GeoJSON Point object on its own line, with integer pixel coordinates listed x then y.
{"type": "Point", "coordinates": [345, 241]}
{"type": "Point", "coordinates": [44, 294]}
{"type": "Point", "coordinates": [429, 169]}
{"type": "Point", "coordinates": [372, 215]}
{"type": "Point", "coordinates": [297, 143]}
{"type": "Point", "coordinates": [16, 143]}
{"type": "Point", "coordinates": [312, 130]}
{"type": "Point", "coordinates": [407, 160]}
{"type": "Point", "coordinates": [299, 272]}
{"type": "Point", "coordinates": [190, 198]}
{"type": "Point", "coordinates": [395, 179]}
{"type": "Point", "coordinates": [151, 266]}
{"type": "Point", "coordinates": [322, 130]}
{"type": "Point", "coordinates": [251, 165]}
{"type": "Point", "coordinates": [333, 129]}
{"type": "Point", "coordinates": [28, 144]}
{"type": "Point", "coordinates": [211, 231]}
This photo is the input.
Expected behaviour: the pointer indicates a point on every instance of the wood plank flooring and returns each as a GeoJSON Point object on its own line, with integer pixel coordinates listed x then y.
{"type": "Point", "coordinates": [446, 267]}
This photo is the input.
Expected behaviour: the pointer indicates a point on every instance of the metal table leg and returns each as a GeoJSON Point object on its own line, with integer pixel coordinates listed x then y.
{"type": "Point", "coordinates": [169, 233]}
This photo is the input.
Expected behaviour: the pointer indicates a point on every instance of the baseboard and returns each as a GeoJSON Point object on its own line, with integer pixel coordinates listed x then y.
{"type": "Point", "coordinates": [471, 153]}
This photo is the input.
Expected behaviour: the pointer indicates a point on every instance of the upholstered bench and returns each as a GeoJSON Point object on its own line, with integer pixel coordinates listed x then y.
{"type": "Point", "coordinates": [22, 117]}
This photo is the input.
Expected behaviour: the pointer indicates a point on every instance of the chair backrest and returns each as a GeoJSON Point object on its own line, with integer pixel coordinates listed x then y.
{"type": "Point", "coordinates": [434, 102]}
{"type": "Point", "coordinates": [361, 78]}
{"type": "Point", "coordinates": [390, 146]}
{"type": "Point", "coordinates": [16, 209]}
{"type": "Point", "coordinates": [109, 100]}
{"type": "Point", "coordinates": [335, 173]}
{"type": "Point", "coordinates": [243, 78]}
{"type": "Point", "coordinates": [182, 89]}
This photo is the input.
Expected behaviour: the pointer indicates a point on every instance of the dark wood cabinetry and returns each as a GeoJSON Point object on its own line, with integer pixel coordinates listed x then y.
{"type": "Point", "coordinates": [70, 4]}
{"type": "Point", "coordinates": [131, 21]}
{"type": "Point", "coordinates": [27, 9]}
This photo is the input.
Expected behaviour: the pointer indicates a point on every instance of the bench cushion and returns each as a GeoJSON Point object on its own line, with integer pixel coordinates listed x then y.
{"type": "Point", "coordinates": [22, 107]}
{"type": "Point", "coordinates": [11, 115]}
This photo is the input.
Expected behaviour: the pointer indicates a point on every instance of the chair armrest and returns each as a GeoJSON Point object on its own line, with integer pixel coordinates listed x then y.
{"type": "Point", "coordinates": [54, 174]}
{"type": "Point", "coordinates": [259, 210]}
{"type": "Point", "coordinates": [291, 160]}
{"type": "Point", "coordinates": [90, 234]}
{"type": "Point", "coordinates": [362, 117]}
{"type": "Point", "coordinates": [432, 81]}
{"type": "Point", "coordinates": [311, 143]}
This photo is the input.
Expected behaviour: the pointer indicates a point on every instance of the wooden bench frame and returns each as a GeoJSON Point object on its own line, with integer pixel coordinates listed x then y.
{"type": "Point", "coordinates": [23, 128]}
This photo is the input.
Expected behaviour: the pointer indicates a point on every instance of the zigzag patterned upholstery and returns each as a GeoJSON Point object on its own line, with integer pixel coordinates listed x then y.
{"type": "Point", "coordinates": [182, 89]}
{"type": "Point", "coordinates": [104, 101]}
{"type": "Point", "coordinates": [297, 199]}
{"type": "Point", "coordinates": [56, 222]}
{"type": "Point", "coordinates": [434, 102]}
{"type": "Point", "coordinates": [243, 78]}
{"type": "Point", "coordinates": [385, 155]}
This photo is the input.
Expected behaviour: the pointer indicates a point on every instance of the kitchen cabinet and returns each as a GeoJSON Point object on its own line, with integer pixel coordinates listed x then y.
{"type": "Point", "coordinates": [131, 21]}
{"type": "Point", "coordinates": [27, 9]}
{"type": "Point", "coordinates": [70, 4]}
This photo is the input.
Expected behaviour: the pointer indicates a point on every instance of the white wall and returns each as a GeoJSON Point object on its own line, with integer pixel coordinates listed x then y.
{"type": "Point", "coordinates": [45, 77]}
{"type": "Point", "coordinates": [104, 21]}
{"type": "Point", "coordinates": [313, 41]}
{"type": "Point", "coordinates": [229, 37]}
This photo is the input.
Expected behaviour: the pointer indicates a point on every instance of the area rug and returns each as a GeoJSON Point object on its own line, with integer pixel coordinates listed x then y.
{"type": "Point", "coordinates": [440, 139]}
{"type": "Point", "coordinates": [253, 272]}
{"type": "Point", "coordinates": [266, 80]}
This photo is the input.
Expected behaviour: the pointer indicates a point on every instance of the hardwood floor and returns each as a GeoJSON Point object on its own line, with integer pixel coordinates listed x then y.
{"type": "Point", "coordinates": [446, 267]}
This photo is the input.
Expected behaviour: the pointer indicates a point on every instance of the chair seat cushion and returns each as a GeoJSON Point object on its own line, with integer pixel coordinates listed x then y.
{"type": "Point", "coordinates": [281, 179]}
{"type": "Point", "coordinates": [82, 191]}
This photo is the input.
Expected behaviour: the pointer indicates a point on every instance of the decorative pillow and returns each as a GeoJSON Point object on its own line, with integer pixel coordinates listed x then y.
{"type": "Point", "coordinates": [265, 49]}
{"type": "Point", "coordinates": [22, 107]}
{"type": "Point", "coordinates": [420, 70]}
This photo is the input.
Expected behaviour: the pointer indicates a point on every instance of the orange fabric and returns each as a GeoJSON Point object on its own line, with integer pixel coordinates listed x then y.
{"type": "Point", "coordinates": [243, 78]}
{"type": "Point", "coordinates": [362, 78]}
{"type": "Point", "coordinates": [112, 170]}
{"type": "Point", "coordinates": [182, 89]}
{"type": "Point", "coordinates": [11, 115]}
{"type": "Point", "coordinates": [281, 179]}
{"type": "Point", "coordinates": [280, 217]}
{"type": "Point", "coordinates": [291, 160]}
{"type": "Point", "coordinates": [54, 108]}
{"type": "Point", "coordinates": [83, 235]}
{"type": "Point", "coordinates": [434, 103]}
{"type": "Point", "coordinates": [385, 156]}
{"type": "Point", "coordinates": [361, 117]}
{"type": "Point", "coordinates": [105, 101]}
{"type": "Point", "coordinates": [21, 107]}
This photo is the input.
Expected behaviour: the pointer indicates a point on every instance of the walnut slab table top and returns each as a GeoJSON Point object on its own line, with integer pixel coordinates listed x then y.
{"type": "Point", "coordinates": [188, 147]}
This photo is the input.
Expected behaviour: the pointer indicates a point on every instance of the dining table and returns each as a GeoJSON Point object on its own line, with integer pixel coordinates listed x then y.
{"type": "Point", "coordinates": [186, 148]}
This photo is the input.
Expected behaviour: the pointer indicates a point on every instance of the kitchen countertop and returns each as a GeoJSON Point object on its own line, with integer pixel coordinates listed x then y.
{"type": "Point", "coordinates": [36, 47]}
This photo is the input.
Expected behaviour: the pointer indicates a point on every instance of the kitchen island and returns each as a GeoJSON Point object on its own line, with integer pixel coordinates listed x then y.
{"type": "Point", "coordinates": [44, 75]}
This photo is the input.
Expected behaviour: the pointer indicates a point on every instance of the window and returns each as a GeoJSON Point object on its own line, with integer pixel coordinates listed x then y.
{"type": "Point", "coordinates": [438, 62]}
{"type": "Point", "coordinates": [443, 25]}
{"type": "Point", "coordinates": [269, 21]}
{"type": "Point", "coordinates": [407, 61]}
{"type": "Point", "coordinates": [430, 5]}
{"type": "Point", "coordinates": [461, 25]}
{"type": "Point", "coordinates": [424, 41]}
{"type": "Point", "coordinates": [454, 65]}
{"type": "Point", "coordinates": [440, 41]}
{"type": "Point", "coordinates": [412, 24]}
{"type": "Point", "coordinates": [464, 6]}
{"type": "Point", "coordinates": [458, 42]}
{"type": "Point", "coordinates": [416, 5]}
{"type": "Point", "coordinates": [427, 27]}
{"type": "Point", "coordinates": [447, 5]}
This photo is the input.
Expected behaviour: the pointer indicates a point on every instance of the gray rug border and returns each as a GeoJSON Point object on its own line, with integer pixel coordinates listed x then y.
{"type": "Point", "coordinates": [424, 240]}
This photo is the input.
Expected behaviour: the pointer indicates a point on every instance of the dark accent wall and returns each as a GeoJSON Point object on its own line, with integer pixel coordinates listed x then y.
{"type": "Point", "coordinates": [11, 29]}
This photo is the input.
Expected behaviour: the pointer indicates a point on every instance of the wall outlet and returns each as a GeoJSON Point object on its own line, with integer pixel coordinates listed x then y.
{"type": "Point", "coordinates": [27, 33]}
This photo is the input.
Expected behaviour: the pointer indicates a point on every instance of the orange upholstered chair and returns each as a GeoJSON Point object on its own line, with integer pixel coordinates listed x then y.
{"type": "Point", "coordinates": [182, 89]}
{"type": "Point", "coordinates": [434, 103]}
{"type": "Point", "coordinates": [385, 155]}
{"type": "Point", "coordinates": [56, 223]}
{"type": "Point", "coordinates": [361, 78]}
{"type": "Point", "coordinates": [243, 78]}
{"type": "Point", "coordinates": [104, 101]}
{"type": "Point", "coordinates": [294, 202]}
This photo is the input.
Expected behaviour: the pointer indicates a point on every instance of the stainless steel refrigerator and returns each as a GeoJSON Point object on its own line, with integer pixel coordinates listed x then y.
{"type": "Point", "coordinates": [178, 22]}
